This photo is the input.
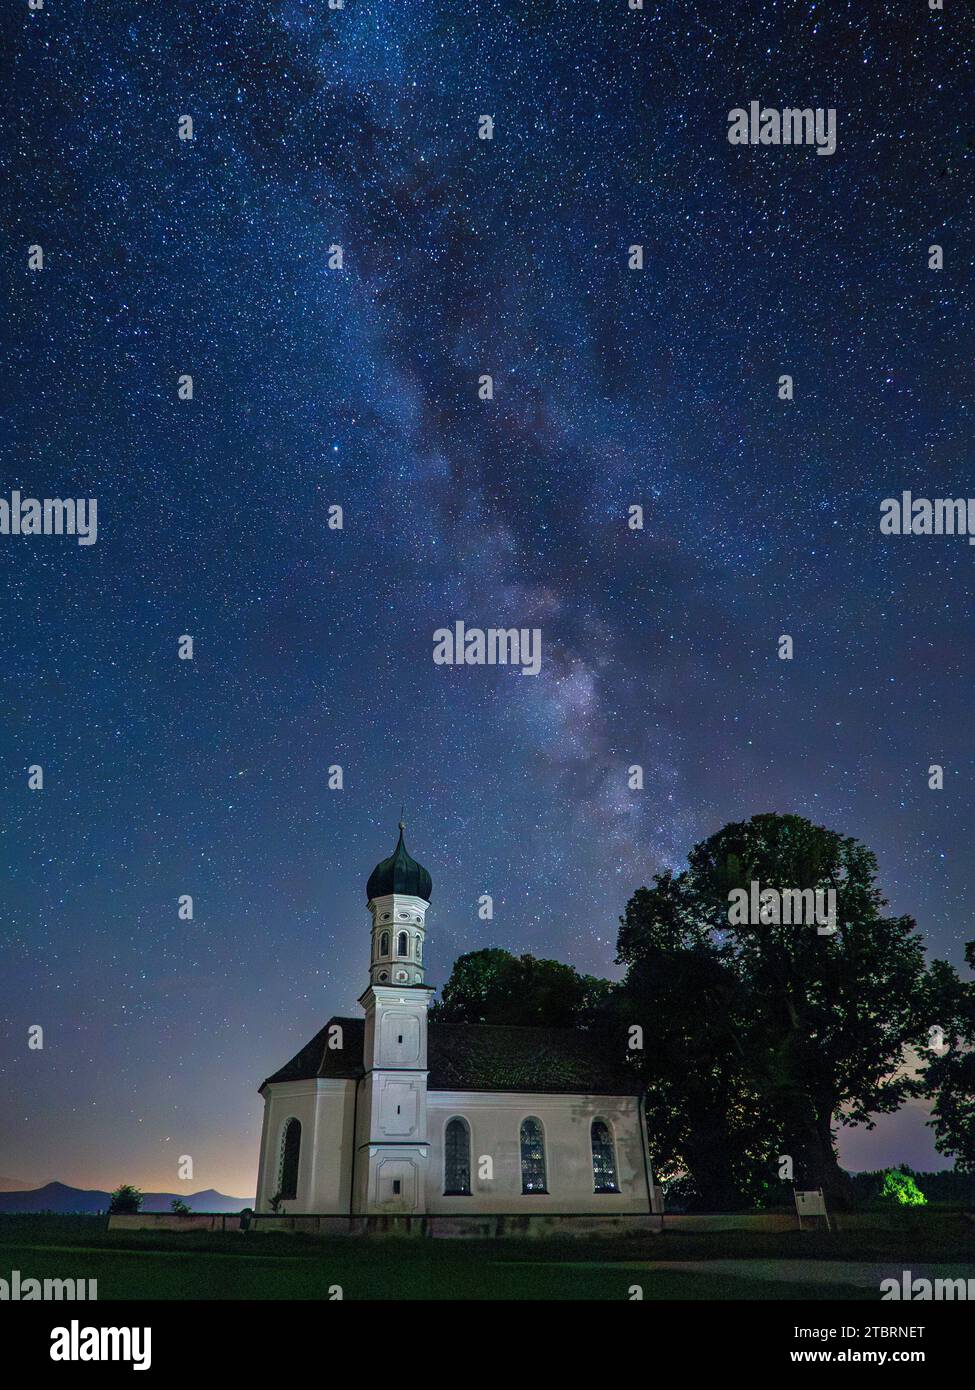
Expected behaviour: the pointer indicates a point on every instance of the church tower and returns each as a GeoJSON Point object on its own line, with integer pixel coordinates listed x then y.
{"type": "Point", "coordinates": [391, 1138]}
{"type": "Point", "coordinates": [398, 894]}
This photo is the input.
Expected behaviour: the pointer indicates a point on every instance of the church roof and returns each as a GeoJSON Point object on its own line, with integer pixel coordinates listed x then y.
{"type": "Point", "coordinates": [400, 873]}
{"type": "Point", "coordinates": [485, 1057]}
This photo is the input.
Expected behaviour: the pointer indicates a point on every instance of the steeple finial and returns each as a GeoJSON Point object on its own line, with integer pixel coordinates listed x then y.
{"type": "Point", "coordinates": [402, 822]}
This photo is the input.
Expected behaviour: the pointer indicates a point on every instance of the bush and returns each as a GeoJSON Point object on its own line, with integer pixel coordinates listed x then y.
{"type": "Point", "coordinates": [945, 1187]}
{"type": "Point", "coordinates": [126, 1201]}
{"type": "Point", "coordinates": [901, 1190]}
{"type": "Point", "coordinates": [179, 1207]}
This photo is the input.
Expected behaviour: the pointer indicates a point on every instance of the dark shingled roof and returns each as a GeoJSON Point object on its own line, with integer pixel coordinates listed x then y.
{"type": "Point", "coordinates": [486, 1057]}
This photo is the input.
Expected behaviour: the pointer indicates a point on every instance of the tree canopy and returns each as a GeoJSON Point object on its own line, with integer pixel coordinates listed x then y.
{"type": "Point", "coordinates": [806, 1028]}
{"type": "Point", "coordinates": [949, 1074]}
{"type": "Point", "coordinates": [494, 986]}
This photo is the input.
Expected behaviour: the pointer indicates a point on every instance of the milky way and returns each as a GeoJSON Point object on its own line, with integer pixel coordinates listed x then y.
{"type": "Point", "coordinates": [314, 387]}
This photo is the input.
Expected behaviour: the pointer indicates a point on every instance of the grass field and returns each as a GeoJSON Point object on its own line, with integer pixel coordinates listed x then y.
{"type": "Point", "coordinates": [202, 1265]}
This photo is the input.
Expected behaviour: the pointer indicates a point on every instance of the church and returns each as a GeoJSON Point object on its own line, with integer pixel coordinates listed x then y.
{"type": "Point", "coordinates": [395, 1115]}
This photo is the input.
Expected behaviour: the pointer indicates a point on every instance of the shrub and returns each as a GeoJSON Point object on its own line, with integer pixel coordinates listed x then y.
{"type": "Point", "coordinates": [126, 1201]}
{"type": "Point", "coordinates": [901, 1190]}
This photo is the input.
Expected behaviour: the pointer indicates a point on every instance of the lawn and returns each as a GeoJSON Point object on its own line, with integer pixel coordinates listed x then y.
{"type": "Point", "coordinates": [202, 1265]}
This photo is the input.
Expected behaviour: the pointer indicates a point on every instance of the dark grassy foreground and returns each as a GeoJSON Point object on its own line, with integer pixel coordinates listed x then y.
{"type": "Point", "coordinates": [200, 1265]}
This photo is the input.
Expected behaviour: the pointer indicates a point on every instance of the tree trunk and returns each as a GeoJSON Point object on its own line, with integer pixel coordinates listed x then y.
{"type": "Point", "coordinates": [809, 1140]}
{"type": "Point", "coordinates": [709, 1162]}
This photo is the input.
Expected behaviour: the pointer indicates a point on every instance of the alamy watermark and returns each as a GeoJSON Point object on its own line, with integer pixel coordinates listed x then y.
{"type": "Point", "coordinates": [768, 126]}
{"type": "Point", "coordinates": [77, 1343]}
{"type": "Point", "coordinates": [493, 646]}
{"type": "Point", "coordinates": [19, 1290]}
{"type": "Point", "coordinates": [50, 516]}
{"type": "Point", "coordinates": [908, 515]}
{"type": "Point", "coordinates": [926, 1290]}
{"type": "Point", "coordinates": [764, 907]}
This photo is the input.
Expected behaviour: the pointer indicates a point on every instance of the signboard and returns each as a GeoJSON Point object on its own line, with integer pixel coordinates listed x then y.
{"type": "Point", "coordinates": [811, 1204]}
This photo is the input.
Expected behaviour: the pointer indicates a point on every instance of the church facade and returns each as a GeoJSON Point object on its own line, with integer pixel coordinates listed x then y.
{"type": "Point", "coordinates": [395, 1115]}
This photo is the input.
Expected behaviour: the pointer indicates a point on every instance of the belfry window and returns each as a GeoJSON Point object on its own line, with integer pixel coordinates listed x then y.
{"type": "Point", "coordinates": [290, 1154]}
{"type": "Point", "coordinates": [532, 1156]}
{"type": "Point", "coordinates": [603, 1158]}
{"type": "Point", "coordinates": [457, 1158]}
{"type": "Point", "coordinates": [384, 943]}
{"type": "Point", "coordinates": [419, 949]}
{"type": "Point", "coordinates": [403, 944]}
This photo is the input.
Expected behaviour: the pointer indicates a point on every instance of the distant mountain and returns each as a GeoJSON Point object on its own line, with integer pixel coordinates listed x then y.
{"type": "Point", "coordinates": [13, 1185]}
{"type": "Point", "coordinates": [55, 1196]}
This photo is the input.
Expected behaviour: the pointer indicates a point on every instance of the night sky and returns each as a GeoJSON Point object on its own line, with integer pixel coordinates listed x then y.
{"type": "Point", "coordinates": [358, 387]}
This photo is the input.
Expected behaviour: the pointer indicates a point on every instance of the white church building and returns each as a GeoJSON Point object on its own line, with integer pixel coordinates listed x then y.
{"type": "Point", "coordinates": [395, 1115]}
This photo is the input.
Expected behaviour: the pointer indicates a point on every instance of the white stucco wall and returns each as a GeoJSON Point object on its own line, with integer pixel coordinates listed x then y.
{"type": "Point", "coordinates": [495, 1122]}
{"type": "Point", "coordinates": [325, 1109]}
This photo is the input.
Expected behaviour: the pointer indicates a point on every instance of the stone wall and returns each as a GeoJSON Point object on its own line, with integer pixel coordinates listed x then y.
{"type": "Point", "coordinates": [168, 1221]}
{"type": "Point", "coordinates": [493, 1225]}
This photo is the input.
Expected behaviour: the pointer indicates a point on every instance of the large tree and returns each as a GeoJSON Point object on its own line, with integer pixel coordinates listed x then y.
{"type": "Point", "coordinates": [949, 1075]}
{"type": "Point", "coordinates": [681, 990]}
{"type": "Point", "coordinates": [493, 986]}
{"type": "Point", "coordinates": [819, 1023]}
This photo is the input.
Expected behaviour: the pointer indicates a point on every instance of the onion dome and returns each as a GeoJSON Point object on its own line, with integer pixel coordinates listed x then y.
{"type": "Point", "coordinates": [400, 873]}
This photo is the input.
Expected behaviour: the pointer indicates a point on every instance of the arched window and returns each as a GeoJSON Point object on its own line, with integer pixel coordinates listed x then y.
{"type": "Point", "coordinates": [457, 1158]}
{"type": "Point", "coordinates": [403, 944]}
{"type": "Point", "coordinates": [603, 1157]}
{"type": "Point", "coordinates": [290, 1153]}
{"type": "Point", "coordinates": [532, 1156]}
{"type": "Point", "coordinates": [419, 948]}
{"type": "Point", "coordinates": [384, 943]}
